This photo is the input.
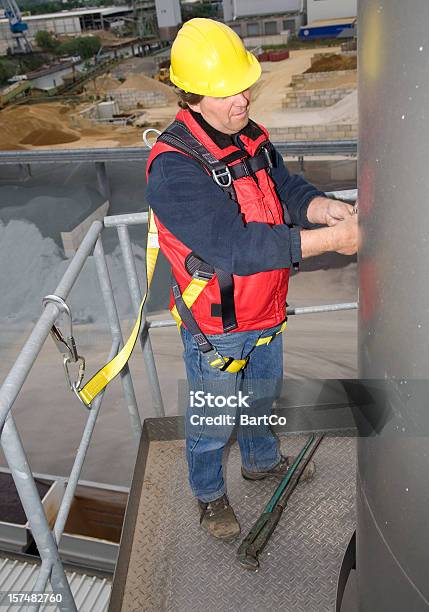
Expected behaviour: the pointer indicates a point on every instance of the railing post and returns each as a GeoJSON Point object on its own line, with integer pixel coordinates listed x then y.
{"type": "Point", "coordinates": [26, 487]}
{"type": "Point", "coordinates": [136, 296]}
{"type": "Point", "coordinates": [115, 329]}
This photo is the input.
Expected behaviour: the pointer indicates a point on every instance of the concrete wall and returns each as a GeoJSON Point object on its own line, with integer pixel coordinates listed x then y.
{"type": "Point", "coordinates": [72, 240]}
{"type": "Point", "coordinates": [168, 13]}
{"type": "Point", "coordinates": [330, 9]}
{"type": "Point", "coordinates": [133, 98]}
{"type": "Point", "coordinates": [243, 8]}
{"type": "Point", "coordinates": [266, 41]}
{"type": "Point", "coordinates": [261, 26]}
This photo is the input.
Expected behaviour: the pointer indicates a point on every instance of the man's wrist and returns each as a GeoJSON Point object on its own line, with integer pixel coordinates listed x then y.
{"type": "Point", "coordinates": [317, 242]}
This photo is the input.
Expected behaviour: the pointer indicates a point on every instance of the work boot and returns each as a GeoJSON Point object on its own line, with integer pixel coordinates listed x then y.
{"type": "Point", "coordinates": [280, 470]}
{"type": "Point", "coordinates": [218, 519]}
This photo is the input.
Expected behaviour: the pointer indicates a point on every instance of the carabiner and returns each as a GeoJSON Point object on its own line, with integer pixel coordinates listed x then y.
{"type": "Point", "coordinates": [66, 346]}
{"type": "Point", "coordinates": [81, 372]}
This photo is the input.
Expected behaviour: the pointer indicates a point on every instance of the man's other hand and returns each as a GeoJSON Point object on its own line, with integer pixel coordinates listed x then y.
{"type": "Point", "coordinates": [342, 238]}
{"type": "Point", "coordinates": [327, 211]}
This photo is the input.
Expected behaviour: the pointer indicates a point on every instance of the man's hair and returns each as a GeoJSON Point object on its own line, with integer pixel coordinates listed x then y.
{"type": "Point", "coordinates": [186, 98]}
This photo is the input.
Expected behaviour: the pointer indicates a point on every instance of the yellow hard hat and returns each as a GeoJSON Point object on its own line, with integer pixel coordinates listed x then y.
{"type": "Point", "coordinates": [208, 58]}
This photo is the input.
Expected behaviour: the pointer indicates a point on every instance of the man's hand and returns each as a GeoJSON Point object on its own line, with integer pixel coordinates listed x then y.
{"type": "Point", "coordinates": [341, 238]}
{"type": "Point", "coordinates": [345, 236]}
{"type": "Point", "coordinates": [328, 212]}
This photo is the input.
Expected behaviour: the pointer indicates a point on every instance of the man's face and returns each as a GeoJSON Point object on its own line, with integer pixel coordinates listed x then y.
{"type": "Point", "coordinates": [228, 115]}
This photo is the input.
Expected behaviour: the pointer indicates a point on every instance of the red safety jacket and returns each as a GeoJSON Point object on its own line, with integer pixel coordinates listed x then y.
{"type": "Point", "coordinates": [259, 299]}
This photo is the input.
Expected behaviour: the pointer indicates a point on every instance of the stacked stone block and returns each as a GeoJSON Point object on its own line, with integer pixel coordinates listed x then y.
{"type": "Point", "coordinates": [133, 98]}
{"type": "Point", "coordinates": [329, 131]}
{"type": "Point", "coordinates": [315, 98]}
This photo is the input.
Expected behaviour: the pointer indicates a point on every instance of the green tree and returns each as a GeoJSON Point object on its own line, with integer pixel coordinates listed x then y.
{"type": "Point", "coordinates": [87, 46]}
{"type": "Point", "coordinates": [46, 41]}
{"type": "Point", "coordinates": [6, 71]}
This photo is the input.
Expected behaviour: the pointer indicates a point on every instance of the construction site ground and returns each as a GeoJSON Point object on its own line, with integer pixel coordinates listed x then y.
{"type": "Point", "coordinates": [60, 125]}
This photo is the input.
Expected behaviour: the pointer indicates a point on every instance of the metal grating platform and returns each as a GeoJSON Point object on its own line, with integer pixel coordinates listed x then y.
{"type": "Point", "coordinates": [176, 567]}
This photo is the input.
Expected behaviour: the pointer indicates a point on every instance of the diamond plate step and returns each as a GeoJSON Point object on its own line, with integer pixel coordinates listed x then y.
{"type": "Point", "coordinates": [175, 567]}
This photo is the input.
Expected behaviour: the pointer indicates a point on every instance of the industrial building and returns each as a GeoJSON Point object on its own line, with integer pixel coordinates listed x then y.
{"type": "Point", "coordinates": [169, 18]}
{"type": "Point", "coordinates": [330, 9]}
{"type": "Point", "coordinates": [71, 23]}
{"type": "Point", "coordinates": [250, 18]}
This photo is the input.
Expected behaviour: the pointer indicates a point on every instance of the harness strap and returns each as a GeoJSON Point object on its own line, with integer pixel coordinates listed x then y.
{"type": "Point", "coordinates": [198, 268]}
{"type": "Point", "coordinates": [223, 173]}
{"type": "Point", "coordinates": [179, 136]}
{"type": "Point", "coordinates": [108, 372]}
{"type": "Point", "coordinates": [226, 286]}
{"type": "Point", "coordinates": [268, 339]}
{"type": "Point", "coordinates": [249, 166]}
{"type": "Point", "coordinates": [215, 359]}
{"type": "Point", "coordinates": [189, 296]}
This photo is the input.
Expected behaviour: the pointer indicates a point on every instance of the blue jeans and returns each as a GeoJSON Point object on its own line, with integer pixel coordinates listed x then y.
{"type": "Point", "coordinates": [258, 383]}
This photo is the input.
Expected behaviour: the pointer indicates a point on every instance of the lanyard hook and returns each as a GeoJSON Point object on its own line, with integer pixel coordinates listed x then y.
{"type": "Point", "coordinates": [66, 345]}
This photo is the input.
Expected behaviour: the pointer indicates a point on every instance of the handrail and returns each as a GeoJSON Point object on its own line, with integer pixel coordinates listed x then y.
{"type": "Point", "coordinates": [297, 148]}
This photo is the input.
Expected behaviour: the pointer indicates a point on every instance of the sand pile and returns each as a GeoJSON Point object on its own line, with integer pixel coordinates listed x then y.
{"type": "Point", "coordinates": [102, 84]}
{"type": "Point", "coordinates": [58, 125]}
{"type": "Point", "coordinates": [331, 62]}
{"type": "Point", "coordinates": [36, 265]}
{"type": "Point", "coordinates": [35, 125]}
{"type": "Point", "coordinates": [50, 136]}
{"type": "Point", "coordinates": [140, 82]}
{"type": "Point", "coordinates": [59, 209]}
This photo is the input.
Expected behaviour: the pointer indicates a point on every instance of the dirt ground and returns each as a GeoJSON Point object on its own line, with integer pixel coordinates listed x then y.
{"type": "Point", "coordinates": [56, 125]}
{"type": "Point", "coordinates": [59, 125]}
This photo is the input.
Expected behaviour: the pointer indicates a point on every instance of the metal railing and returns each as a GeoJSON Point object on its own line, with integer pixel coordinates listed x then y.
{"type": "Point", "coordinates": [296, 148]}
{"type": "Point", "coordinates": [47, 540]}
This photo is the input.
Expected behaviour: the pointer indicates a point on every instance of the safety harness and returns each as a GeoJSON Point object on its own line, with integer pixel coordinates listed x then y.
{"type": "Point", "coordinates": [224, 172]}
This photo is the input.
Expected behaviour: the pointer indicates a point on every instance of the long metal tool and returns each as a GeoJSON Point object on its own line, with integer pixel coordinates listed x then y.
{"type": "Point", "coordinates": [258, 536]}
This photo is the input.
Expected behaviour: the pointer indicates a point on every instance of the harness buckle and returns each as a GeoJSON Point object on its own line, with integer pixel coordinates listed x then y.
{"type": "Point", "coordinates": [203, 275]}
{"type": "Point", "coordinates": [267, 157]}
{"type": "Point", "coordinates": [215, 359]}
{"type": "Point", "coordinates": [222, 177]}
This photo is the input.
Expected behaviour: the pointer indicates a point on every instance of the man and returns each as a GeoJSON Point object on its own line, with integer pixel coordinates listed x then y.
{"type": "Point", "coordinates": [231, 221]}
